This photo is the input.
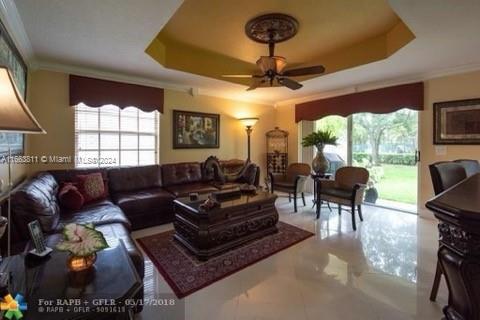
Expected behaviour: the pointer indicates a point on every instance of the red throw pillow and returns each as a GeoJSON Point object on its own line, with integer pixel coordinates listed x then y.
{"type": "Point", "coordinates": [92, 187]}
{"type": "Point", "coordinates": [70, 198]}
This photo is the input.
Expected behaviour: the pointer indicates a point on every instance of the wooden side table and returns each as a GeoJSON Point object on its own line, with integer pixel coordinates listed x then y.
{"type": "Point", "coordinates": [317, 178]}
{"type": "Point", "coordinates": [101, 293]}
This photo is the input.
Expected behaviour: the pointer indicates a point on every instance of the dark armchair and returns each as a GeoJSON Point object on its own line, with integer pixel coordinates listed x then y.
{"type": "Point", "coordinates": [348, 188]}
{"type": "Point", "coordinates": [293, 182]}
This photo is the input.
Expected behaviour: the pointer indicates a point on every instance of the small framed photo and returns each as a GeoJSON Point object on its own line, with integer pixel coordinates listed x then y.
{"type": "Point", "coordinates": [456, 122]}
{"type": "Point", "coordinates": [195, 130]}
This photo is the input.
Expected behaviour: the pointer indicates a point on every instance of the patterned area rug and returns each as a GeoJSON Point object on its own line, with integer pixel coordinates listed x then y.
{"type": "Point", "coordinates": [185, 274]}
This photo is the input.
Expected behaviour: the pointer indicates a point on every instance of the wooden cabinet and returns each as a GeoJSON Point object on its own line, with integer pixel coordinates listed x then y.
{"type": "Point", "coordinates": [458, 212]}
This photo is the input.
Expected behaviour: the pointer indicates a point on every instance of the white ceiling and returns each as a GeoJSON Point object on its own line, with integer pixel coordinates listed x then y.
{"type": "Point", "coordinates": [108, 37]}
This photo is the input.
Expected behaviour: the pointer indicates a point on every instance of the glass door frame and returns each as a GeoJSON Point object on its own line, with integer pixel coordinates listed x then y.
{"type": "Point", "coordinates": [349, 160]}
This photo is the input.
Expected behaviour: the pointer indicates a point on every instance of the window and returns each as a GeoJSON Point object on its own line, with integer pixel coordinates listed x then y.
{"type": "Point", "coordinates": [109, 136]}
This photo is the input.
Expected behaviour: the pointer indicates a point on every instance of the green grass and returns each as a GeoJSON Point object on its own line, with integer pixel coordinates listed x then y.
{"type": "Point", "coordinates": [399, 183]}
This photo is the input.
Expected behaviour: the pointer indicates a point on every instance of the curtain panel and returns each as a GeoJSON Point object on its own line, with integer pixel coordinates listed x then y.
{"type": "Point", "coordinates": [384, 100]}
{"type": "Point", "coordinates": [97, 93]}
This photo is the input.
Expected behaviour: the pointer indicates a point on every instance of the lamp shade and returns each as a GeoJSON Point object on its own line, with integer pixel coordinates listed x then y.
{"type": "Point", "coordinates": [14, 113]}
{"type": "Point", "coordinates": [248, 122]}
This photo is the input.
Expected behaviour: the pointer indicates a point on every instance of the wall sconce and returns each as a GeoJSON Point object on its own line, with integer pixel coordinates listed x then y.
{"type": "Point", "coordinates": [248, 123]}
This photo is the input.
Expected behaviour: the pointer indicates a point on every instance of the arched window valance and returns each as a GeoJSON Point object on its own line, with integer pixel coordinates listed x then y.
{"type": "Point", "coordinates": [97, 93]}
{"type": "Point", "coordinates": [384, 100]}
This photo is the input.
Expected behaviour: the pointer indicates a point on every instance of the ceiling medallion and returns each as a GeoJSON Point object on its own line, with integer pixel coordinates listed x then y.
{"type": "Point", "coordinates": [274, 27]}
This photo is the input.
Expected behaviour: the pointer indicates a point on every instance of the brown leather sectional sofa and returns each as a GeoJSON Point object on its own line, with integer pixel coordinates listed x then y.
{"type": "Point", "coordinates": [139, 197]}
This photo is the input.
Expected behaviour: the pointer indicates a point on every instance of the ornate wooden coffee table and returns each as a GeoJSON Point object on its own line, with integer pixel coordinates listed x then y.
{"type": "Point", "coordinates": [235, 222]}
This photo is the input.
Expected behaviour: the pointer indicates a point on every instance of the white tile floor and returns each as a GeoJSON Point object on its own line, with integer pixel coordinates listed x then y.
{"type": "Point", "coordinates": [384, 270]}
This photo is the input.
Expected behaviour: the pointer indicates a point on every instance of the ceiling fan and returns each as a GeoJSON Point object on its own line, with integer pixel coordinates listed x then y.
{"type": "Point", "coordinates": [271, 29]}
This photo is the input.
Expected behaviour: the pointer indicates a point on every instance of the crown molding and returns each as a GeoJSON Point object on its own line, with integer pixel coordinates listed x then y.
{"type": "Point", "coordinates": [14, 25]}
{"type": "Point", "coordinates": [460, 69]}
{"type": "Point", "coordinates": [106, 75]}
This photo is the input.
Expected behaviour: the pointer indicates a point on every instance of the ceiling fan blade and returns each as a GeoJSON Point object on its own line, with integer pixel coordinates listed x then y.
{"type": "Point", "coordinates": [242, 76]}
{"type": "Point", "coordinates": [237, 75]}
{"type": "Point", "coordinates": [289, 83]}
{"type": "Point", "coordinates": [256, 84]}
{"type": "Point", "coordinates": [304, 71]}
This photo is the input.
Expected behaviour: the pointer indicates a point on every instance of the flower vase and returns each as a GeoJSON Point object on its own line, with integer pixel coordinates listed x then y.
{"type": "Point", "coordinates": [320, 164]}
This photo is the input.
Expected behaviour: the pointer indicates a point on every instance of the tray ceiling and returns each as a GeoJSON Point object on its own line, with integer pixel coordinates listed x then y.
{"type": "Point", "coordinates": [206, 37]}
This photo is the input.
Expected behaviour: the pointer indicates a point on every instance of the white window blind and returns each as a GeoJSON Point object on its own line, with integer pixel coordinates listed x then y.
{"type": "Point", "coordinates": [109, 136]}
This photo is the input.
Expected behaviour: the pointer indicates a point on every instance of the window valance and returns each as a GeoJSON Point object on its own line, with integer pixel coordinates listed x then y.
{"type": "Point", "coordinates": [97, 93]}
{"type": "Point", "coordinates": [384, 100]}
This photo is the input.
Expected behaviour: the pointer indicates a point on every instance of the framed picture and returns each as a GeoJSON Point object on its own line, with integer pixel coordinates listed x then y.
{"type": "Point", "coordinates": [195, 130]}
{"type": "Point", "coordinates": [456, 122]}
{"type": "Point", "coordinates": [11, 58]}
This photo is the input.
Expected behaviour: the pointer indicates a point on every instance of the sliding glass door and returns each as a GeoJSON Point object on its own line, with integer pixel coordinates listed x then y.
{"type": "Point", "coordinates": [386, 145]}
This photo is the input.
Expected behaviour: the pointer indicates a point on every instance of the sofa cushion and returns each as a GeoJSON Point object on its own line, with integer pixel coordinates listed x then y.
{"type": "Point", "coordinates": [248, 174]}
{"type": "Point", "coordinates": [70, 197]}
{"type": "Point", "coordinates": [181, 173]}
{"type": "Point", "coordinates": [232, 167]}
{"type": "Point", "coordinates": [98, 213]}
{"type": "Point", "coordinates": [36, 199]}
{"type": "Point", "coordinates": [134, 178]}
{"type": "Point", "coordinates": [70, 175]}
{"type": "Point", "coordinates": [92, 186]}
{"type": "Point", "coordinates": [138, 202]}
{"type": "Point", "coordinates": [184, 189]}
{"type": "Point", "coordinates": [228, 185]}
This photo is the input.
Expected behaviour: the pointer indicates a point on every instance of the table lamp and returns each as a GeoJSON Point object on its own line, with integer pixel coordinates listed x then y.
{"type": "Point", "coordinates": [248, 123]}
{"type": "Point", "coordinates": [15, 117]}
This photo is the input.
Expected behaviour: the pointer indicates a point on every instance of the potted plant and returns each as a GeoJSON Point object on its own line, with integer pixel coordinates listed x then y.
{"type": "Point", "coordinates": [83, 242]}
{"type": "Point", "coordinates": [376, 174]}
{"type": "Point", "coordinates": [320, 139]}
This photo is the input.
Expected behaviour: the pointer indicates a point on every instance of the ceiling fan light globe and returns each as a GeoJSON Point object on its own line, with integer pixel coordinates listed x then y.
{"type": "Point", "coordinates": [275, 63]}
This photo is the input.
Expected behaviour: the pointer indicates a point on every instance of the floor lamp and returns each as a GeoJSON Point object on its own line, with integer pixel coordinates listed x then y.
{"type": "Point", "coordinates": [15, 117]}
{"type": "Point", "coordinates": [248, 123]}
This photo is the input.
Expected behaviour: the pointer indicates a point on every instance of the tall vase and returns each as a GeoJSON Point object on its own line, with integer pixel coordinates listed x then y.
{"type": "Point", "coordinates": [320, 164]}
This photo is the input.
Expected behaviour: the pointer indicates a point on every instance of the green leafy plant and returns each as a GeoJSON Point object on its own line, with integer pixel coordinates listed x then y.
{"type": "Point", "coordinates": [376, 172]}
{"type": "Point", "coordinates": [82, 240]}
{"type": "Point", "coordinates": [320, 137]}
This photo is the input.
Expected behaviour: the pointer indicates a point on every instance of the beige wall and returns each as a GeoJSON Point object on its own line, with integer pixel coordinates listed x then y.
{"type": "Point", "coordinates": [49, 103]}
{"type": "Point", "coordinates": [456, 87]}
{"type": "Point", "coordinates": [285, 120]}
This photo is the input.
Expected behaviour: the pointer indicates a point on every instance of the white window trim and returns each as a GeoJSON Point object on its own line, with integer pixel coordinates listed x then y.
{"type": "Point", "coordinates": [138, 133]}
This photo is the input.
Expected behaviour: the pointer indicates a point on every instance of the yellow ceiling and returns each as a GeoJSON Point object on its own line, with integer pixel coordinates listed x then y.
{"type": "Point", "coordinates": [207, 37]}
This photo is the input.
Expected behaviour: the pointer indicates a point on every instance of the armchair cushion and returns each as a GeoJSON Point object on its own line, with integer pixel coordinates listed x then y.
{"type": "Point", "coordinates": [293, 181]}
{"type": "Point", "coordinates": [339, 193]}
